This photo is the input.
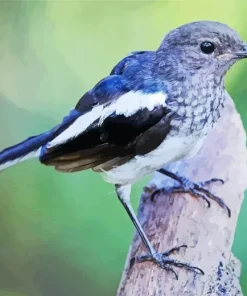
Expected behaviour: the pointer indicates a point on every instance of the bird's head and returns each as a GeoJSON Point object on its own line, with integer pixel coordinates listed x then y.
{"type": "Point", "coordinates": [205, 46]}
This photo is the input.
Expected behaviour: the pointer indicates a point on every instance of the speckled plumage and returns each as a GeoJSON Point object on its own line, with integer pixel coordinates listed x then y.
{"type": "Point", "coordinates": [154, 108]}
{"type": "Point", "coordinates": [191, 82]}
{"type": "Point", "coordinates": [197, 109]}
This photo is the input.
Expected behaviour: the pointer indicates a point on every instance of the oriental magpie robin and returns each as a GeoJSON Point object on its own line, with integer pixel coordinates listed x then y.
{"type": "Point", "coordinates": [154, 108]}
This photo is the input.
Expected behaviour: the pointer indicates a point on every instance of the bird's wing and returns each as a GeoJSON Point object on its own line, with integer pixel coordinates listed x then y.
{"type": "Point", "coordinates": [116, 124]}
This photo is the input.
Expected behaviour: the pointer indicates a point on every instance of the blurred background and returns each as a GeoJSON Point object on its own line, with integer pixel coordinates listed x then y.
{"type": "Point", "coordinates": [63, 234]}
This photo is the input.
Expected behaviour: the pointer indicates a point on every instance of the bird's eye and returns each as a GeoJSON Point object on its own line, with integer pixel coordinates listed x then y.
{"type": "Point", "coordinates": [207, 47]}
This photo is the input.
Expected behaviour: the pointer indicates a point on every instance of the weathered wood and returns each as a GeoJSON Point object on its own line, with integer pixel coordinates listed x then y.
{"type": "Point", "coordinates": [180, 219]}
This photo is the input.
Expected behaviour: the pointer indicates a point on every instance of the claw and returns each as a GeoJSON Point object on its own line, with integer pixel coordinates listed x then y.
{"type": "Point", "coordinates": [144, 258]}
{"type": "Point", "coordinates": [162, 190]}
{"type": "Point", "coordinates": [173, 250]}
{"type": "Point", "coordinates": [152, 196]}
{"type": "Point", "coordinates": [162, 260]}
{"type": "Point", "coordinates": [199, 195]}
{"type": "Point", "coordinates": [220, 201]}
{"type": "Point", "coordinates": [181, 189]}
{"type": "Point", "coordinates": [195, 189]}
{"type": "Point", "coordinates": [213, 180]}
{"type": "Point", "coordinates": [218, 180]}
{"type": "Point", "coordinates": [173, 271]}
{"type": "Point", "coordinates": [189, 267]}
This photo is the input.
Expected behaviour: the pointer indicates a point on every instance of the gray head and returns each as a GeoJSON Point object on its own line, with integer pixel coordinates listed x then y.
{"type": "Point", "coordinates": [207, 47]}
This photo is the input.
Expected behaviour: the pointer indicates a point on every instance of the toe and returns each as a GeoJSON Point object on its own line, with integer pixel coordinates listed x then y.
{"type": "Point", "coordinates": [173, 250]}
{"type": "Point", "coordinates": [213, 180]}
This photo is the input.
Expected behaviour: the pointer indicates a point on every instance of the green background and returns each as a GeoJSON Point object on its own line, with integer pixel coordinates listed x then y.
{"type": "Point", "coordinates": [63, 234]}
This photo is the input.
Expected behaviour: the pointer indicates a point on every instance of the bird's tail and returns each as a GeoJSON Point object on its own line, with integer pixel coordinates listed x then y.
{"type": "Point", "coordinates": [32, 146]}
{"type": "Point", "coordinates": [25, 150]}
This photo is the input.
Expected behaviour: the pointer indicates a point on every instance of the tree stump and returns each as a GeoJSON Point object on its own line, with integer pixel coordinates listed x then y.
{"type": "Point", "coordinates": [178, 219]}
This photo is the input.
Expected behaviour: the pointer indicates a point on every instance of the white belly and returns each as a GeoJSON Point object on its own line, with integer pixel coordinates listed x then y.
{"type": "Point", "coordinates": [172, 149]}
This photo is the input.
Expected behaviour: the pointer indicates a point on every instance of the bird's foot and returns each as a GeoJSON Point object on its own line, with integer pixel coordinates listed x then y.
{"type": "Point", "coordinates": [196, 189]}
{"type": "Point", "coordinates": [162, 260]}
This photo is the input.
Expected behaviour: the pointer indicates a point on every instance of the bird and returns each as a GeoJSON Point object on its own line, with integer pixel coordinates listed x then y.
{"type": "Point", "coordinates": [152, 109]}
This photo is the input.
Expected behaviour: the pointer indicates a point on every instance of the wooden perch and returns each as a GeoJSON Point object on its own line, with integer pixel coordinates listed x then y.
{"type": "Point", "coordinates": [180, 219]}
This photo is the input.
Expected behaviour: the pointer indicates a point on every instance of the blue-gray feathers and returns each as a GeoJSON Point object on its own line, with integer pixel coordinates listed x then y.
{"type": "Point", "coordinates": [27, 148]}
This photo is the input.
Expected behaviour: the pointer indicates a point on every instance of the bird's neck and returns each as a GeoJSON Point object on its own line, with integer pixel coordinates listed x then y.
{"type": "Point", "coordinates": [198, 102]}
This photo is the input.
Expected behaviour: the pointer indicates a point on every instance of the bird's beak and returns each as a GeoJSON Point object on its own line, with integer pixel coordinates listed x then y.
{"type": "Point", "coordinates": [242, 54]}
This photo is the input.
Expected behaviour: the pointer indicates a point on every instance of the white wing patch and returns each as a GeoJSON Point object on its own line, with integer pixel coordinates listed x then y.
{"type": "Point", "coordinates": [78, 127]}
{"type": "Point", "coordinates": [132, 102]}
{"type": "Point", "coordinates": [127, 105]}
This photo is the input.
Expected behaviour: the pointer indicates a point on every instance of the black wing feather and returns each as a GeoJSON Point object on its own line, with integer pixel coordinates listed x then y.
{"type": "Point", "coordinates": [119, 138]}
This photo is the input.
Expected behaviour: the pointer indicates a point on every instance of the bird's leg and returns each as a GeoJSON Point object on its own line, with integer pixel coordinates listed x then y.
{"type": "Point", "coordinates": [196, 189]}
{"type": "Point", "coordinates": [161, 259]}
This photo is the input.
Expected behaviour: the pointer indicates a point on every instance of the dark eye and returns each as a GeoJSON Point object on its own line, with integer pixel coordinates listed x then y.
{"type": "Point", "coordinates": [207, 47]}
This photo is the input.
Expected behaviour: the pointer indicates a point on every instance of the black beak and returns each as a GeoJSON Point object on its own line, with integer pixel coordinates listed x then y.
{"type": "Point", "coordinates": [242, 54]}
